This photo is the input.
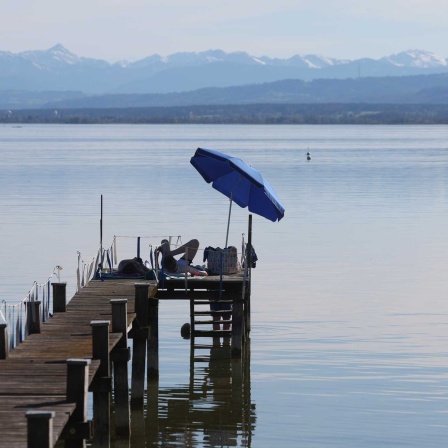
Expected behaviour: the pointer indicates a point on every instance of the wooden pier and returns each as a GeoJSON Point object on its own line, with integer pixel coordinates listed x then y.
{"type": "Point", "coordinates": [45, 380]}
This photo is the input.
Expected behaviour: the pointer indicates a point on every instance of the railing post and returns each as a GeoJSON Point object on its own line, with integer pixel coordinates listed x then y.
{"type": "Point", "coordinates": [4, 346]}
{"type": "Point", "coordinates": [101, 385]}
{"type": "Point", "coordinates": [59, 297]}
{"type": "Point", "coordinates": [120, 357]}
{"type": "Point", "coordinates": [40, 429]}
{"type": "Point", "coordinates": [33, 316]}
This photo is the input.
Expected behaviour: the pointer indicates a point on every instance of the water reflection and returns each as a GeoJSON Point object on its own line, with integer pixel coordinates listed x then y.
{"type": "Point", "coordinates": [213, 410]}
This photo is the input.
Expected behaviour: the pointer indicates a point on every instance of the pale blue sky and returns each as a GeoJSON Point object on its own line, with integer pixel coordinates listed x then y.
{"type": "Point", "coordinates": [132, 29]}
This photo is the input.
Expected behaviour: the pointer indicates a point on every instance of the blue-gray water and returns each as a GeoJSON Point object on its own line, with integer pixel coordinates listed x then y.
{"type": "Point", "coordinates": [349, 341]}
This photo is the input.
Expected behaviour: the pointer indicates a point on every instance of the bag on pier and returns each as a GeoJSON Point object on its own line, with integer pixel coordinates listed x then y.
{"type": "Point", "coordinates": [253, 257]}
{"type": "Point", "coordinates": [225, 259]}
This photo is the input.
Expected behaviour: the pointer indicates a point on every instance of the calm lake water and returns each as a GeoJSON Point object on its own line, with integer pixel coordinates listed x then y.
{"type": "Point", "coordinates": [349, 341]}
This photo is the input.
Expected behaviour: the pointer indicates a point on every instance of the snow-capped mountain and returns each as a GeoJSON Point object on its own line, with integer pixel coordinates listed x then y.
{"type": "Point", "coordinates": [58, 69]}
{"type": "Point", "coordinates": [58, 56]}
{"type": "Point", "coordinates": [416, 58]}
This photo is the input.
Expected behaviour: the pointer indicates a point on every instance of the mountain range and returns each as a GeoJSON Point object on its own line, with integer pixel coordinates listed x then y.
{"type": "Point", "coordinates": [57, 78]}
{"type": "Point", "coordinates": [58, 69]}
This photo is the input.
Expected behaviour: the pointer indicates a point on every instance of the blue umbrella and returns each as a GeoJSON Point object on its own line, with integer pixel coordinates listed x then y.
{"type": "Point", "coordinates": [239, 182]}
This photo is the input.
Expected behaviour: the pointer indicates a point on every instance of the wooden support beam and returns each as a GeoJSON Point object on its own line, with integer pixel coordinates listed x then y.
{"type": "Point", "coordinates": [247, 292]}
{"type": "Point", "coordinates": [152, 416]}
{"type": "Point", "coordinates": [100, 345]}
{"type": "Point", "coordinates": [140, 331]}
{"type": "Point", "coordinates": [153, 340]}
{"type": "Point", "coordinates": [77, 429]}
{"type": "Point", "coordinates": [101, 395]}
{"type": "Point", "coordinates": [237, 328]}
{"type": "Point", "coordinates": [40, 429]}
{"type": "Point", "coordinates": [59, 297]}
{"type": "Point", "coordinates": [121, 385]}
{"type": "Point", "coordinates": [141, 303]}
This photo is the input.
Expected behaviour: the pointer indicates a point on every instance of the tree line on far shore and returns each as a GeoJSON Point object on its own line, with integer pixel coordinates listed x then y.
{"type": "Point", "coordinates": [337, 113]}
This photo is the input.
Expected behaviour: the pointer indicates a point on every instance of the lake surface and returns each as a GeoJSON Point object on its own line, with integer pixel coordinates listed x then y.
{"type": "Point", "coordinates": [349, 341]}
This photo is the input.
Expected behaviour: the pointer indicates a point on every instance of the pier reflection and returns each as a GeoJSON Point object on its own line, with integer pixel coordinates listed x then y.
{"type": "Point", "coordinates": [213, 410]}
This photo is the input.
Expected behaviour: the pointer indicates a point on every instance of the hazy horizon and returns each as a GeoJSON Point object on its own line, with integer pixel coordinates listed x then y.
{"type": "Point", "coordinates": [132, 30]}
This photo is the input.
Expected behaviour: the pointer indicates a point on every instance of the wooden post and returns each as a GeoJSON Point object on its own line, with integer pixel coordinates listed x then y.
{"type": "Point", "coordinates": [141, 303]}
{"type": "Point", "coordinates": [249, 264]}
{"type": "Point", "coordinates": [152, 414]}
{"type": "Point", "coordinates": [4, 346]}
{"type": "Point", "coordinates": [59, 297]}
{"type": "Point", "coordinates": [153, 340]}
{"type": "Point", "coordinates": [120, 357]}
{"type": "Point", "coordinates": [192, 325]}
{"type": "Point", "coordinates": [140, 337]}
{"type": "Point", "coordinates": [101, 389]}
{"type": "Point", "coordinates": [237, 382]}
{"type": "Point", "coordinates": [40, 429]}
{"type": "Point", "coordinates": [77, 392]}
{"type": "Point", "coordinates": [237, 327]}
{"type": "Point", "coordinates": [33, 316]}
{"type": "Point", "coordinates": [100, 345]}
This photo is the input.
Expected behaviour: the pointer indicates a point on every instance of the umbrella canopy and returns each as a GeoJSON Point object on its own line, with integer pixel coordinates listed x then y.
{"type": "Point", "coordinates": [238, 181]}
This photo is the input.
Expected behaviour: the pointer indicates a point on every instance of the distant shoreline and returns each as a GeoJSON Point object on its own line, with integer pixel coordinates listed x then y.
{"type": "Point", "coordinates": [334, 114]}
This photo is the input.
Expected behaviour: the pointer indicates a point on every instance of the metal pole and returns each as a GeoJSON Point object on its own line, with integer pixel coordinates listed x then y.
{"type": "Point", "coordinates": [228, 221]}
{"type": "Point", "coordinates": [101, 232]}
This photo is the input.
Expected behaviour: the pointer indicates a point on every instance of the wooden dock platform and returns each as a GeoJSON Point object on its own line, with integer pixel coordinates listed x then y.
{"type": "Point", "coordinates": [34, 376]}
{"type": "Point", "coordinates": [35, 381]}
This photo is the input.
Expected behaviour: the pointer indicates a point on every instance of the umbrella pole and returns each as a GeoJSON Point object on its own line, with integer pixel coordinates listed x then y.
{"type": "Point", "coordinates": [101, 232]}
{"type": "Point", "coordinates": [228, 222]}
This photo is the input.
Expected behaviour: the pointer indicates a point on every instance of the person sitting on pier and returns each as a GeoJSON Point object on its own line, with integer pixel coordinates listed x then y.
{"type": "Point", "coordinates": [183, 264]}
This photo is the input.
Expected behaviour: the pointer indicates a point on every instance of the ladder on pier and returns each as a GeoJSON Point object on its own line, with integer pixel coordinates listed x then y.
{"type": "Point", "coordinates": [211, 318]}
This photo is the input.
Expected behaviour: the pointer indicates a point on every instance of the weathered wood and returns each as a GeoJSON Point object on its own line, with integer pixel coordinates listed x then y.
{"type": "Point", "coordinates": [140, 338]}
{"type": "Point", "coordinates": [152, 417]}
{"type": "Point", "coordinates": [13, 423]}
{"type": "Point", "coordinates": [101, 393]}
{"type": "Point", "coordinates": [237, 329]}
{"type": "Point", "coordinates": [121, 384]}
{"type": "Point", "coordinates": [192, 323]}
{"type": "Point", "coordinates": [141, 303]}
{"type": "Point", "coordinates": [213, 333]}
{"type": "Point", "coordinates": [209, 322]}
{"type": "Point", "coordinates": [101, 419]}
{"type": "Point", "coordinates": [33, 316]}
{"type": "Point", "coordinates": [100, 345]}
{"type": "Point", "coordinates": [4, 346]}
{"type": "Point", "coordinates": [59, 297]}
{"type": "Point", "coordinates": [69, 335]}
{"type": "Point", "coordinates": [35, 374]}
{"type": "Point", "coordinates": [153, 340]}
{"type": "Point", "coordinates": [77, 392]}
{"type": "Point", "coordinates": [40, 429]}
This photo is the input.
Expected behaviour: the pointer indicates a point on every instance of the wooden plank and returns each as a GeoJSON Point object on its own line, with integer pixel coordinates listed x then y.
{"type": "Point", "coordinates": [212, 333]}
{"type": "Point", "coordinates": [13, 424]}
{"type": "Point", "coordinates": [35, 374]}
{"type": "Point", "coordinates": [37, 378]}
{"type": "Point", "coordinates": [209, 322]}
